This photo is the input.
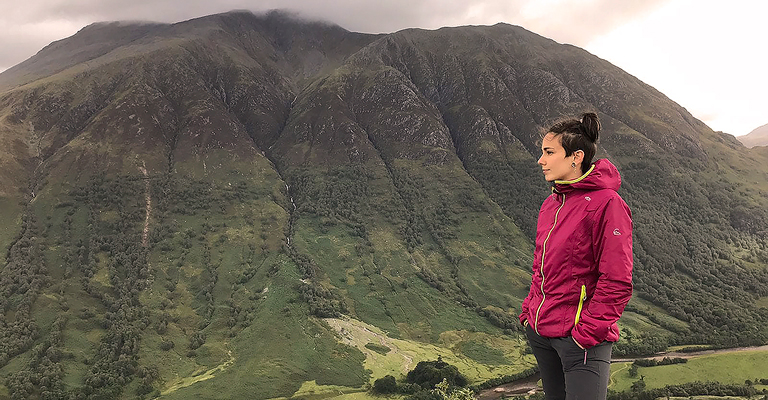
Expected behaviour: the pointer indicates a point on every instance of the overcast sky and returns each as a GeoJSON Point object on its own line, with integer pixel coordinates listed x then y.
{"type": "Point", "coordinates": [709, 56]}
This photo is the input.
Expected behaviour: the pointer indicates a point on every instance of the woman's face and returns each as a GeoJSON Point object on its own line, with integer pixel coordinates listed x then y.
{"type": "Point", "coordinates": [554, 163]}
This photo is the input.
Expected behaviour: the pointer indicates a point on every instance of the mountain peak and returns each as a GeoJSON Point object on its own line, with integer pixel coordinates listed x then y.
{"type": "Point", "coordinates": [758, 137]}
{"type": "Point", "coordinates": [276, 19]}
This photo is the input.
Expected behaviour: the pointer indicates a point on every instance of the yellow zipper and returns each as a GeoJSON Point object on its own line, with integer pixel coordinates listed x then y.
{"type": "Point", "coordinates": [541, 267]}
{"type": "Point", "coordinates": [581, 303]}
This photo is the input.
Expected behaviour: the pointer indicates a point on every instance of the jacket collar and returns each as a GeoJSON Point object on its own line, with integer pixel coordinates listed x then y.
{"type": "Point", "coordinates": [602, 174]}
{"type": "Point", "coordinates": [579, 179]}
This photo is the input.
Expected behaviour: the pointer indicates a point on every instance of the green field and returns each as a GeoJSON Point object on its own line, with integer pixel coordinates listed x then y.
{"type": "Point", "coordinates": [729, 368]}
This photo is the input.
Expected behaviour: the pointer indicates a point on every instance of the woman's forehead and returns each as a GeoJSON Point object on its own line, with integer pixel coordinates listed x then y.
{"type": "Point", "coordinates": [551, 140]}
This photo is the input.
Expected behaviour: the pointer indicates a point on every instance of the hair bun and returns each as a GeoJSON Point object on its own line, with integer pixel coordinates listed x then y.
{"type": "Point", "coordinates": [591, 124]}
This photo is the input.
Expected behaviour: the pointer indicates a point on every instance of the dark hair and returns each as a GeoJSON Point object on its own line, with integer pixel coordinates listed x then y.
{"type": "Point", "coordinates": [579, 135]}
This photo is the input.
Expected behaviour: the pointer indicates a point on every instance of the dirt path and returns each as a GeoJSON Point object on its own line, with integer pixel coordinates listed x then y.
{"type": "Point", "coordinates": [610, 380]}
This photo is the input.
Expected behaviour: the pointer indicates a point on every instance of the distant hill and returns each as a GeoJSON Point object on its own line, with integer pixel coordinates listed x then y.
{"type": "Point", "coordinates": [758, 137]}
{"type": "Point", "coordinates": [258, 206]}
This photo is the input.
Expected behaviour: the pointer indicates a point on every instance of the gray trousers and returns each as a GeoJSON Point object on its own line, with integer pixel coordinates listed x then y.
{"type": "Point", "coordinates": [569, 372]}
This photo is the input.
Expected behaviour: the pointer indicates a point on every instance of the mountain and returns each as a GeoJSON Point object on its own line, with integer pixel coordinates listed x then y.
{"type": "Point", "coordinates": [758, 137]}
{"type": "Point", "coordinates": [88, 44]}
{"type": "Point", "coordinates": [258, 206]}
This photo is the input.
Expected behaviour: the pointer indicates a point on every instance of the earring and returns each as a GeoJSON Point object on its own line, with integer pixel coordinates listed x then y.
{"type": "Point", "coordinates": [573, 165]}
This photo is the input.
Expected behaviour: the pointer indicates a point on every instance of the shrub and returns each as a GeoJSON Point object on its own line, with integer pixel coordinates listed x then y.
{"type": "Point", "coordinates": [378, 348]}
{"type": "Point", "coordinates": [427, 374]}
{"type": "Point", "coordinates": [385, 385]}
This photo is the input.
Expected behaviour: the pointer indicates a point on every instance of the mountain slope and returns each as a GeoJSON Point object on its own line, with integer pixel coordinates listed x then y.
{"type": "Point", "coordinates": [89, 43]}
{"type": "Point", "coordinates": [758, 137]}
{"type": "Point", "coordinates": [193, 202]}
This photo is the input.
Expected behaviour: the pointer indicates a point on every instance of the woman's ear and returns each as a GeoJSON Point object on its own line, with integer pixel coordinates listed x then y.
{"type": "Point", "coordinates": [578, 156]}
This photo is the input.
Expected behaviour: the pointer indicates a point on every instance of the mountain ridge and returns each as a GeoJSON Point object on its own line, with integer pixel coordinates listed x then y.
{"type": "Point", "coordinates": [287, 175]}
{"type": "Point", "coordinates": [758, 137]}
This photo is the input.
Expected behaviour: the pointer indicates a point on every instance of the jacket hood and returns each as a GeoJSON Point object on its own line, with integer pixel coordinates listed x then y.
{"type": "Point", "coordinates": [601, 175]}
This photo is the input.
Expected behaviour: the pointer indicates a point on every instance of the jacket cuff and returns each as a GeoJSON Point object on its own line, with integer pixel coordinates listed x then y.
{"type": "Point", "coordinates": [585, 340]}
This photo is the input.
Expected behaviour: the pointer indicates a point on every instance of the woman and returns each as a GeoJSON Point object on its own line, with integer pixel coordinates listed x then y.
{"type": "Point", "coordinates": [582, 266]}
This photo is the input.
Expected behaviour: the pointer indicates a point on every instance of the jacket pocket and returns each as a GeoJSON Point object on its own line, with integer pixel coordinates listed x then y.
{"type": "Point", "coordinates": [582, 298]}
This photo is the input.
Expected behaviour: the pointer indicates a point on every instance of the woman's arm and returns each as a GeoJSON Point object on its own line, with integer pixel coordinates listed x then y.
{"type": "Point", "coordinates": [613, 250]}
{"type": "Point", "coordinates": [524, 315]}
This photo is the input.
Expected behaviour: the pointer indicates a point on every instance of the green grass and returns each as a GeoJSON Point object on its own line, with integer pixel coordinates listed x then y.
{"type": "Point", "coordinates": [642, 323]}
{"type": "Point", "coordinates": [762, 302]}
{"type": "Point", "coordinates": [483, 353]}
{"type": "Point", "coordinates": [730, 368]}
{"type": "Point", "coordinates": [297, 346]}
{"type": "Point", "coordinates": [310, 390]}
{"type": "Point", "coordinates": [407, 307]}
{"type": "Point", "coordinates": [14, 365]}
{"type": "Point", "coordinates": [10, 223]}
{"type": "Point", "coordinates": [406, 354]}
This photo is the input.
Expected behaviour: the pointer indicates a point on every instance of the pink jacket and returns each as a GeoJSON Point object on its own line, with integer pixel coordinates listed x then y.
{"type": "Point", "coordinates": [582, 265]}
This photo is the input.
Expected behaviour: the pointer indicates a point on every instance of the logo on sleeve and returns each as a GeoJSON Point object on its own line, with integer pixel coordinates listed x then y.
{"type": "Point", "coordinates": [616, 232]}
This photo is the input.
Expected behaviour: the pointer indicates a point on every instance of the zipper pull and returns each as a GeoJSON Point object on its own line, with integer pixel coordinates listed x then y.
{"type": "Point", "coordinates": [585, 357]}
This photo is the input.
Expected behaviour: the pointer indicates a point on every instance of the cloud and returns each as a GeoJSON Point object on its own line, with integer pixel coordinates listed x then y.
{"type": "Point", "coordinates": [23, 40]}
{"type": "Point", "coordinates": [30, 25]}
{"type": "Point", "coordinates": [579, 22]}
{"type": "Point", "coordinates": [702, 55]}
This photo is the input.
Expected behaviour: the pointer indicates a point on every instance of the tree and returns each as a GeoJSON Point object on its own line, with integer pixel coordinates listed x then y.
{"type": "Point", "coordinates": [445, 391]}
{"type": "Point", "coordinates": [639, 385]}
{"type": "Point", "coordinates": [385, 385]}
{"type": "Point", "coordinates": [427, 374]}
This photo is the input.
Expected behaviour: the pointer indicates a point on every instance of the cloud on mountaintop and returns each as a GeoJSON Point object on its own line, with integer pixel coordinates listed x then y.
{"type": "Point", "coordinates": [32, 25]}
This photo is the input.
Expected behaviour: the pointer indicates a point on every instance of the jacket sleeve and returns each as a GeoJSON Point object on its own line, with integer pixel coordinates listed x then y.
{"type": "Point", "coordinates": [613, 252]}
{"type": "Point", "coordinates": [524, 315]}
